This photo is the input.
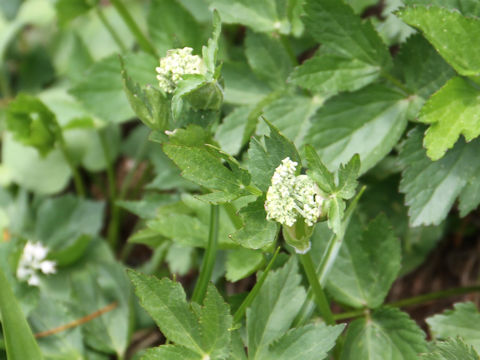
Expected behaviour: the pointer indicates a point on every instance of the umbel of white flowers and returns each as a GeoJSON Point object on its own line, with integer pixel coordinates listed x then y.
{"type": "Point", "coordinates": [292, 196]}
{"type": "Point", "coordinates": [177, 63]}
{"type": "Point", "coordinates": [32, 263]}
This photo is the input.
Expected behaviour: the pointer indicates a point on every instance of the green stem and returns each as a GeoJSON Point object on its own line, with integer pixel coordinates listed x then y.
{"type": "Point", "coordinates": [142, 40]}
{"type": "Point", "coordinates": [415, 300]}
{"type": "Point", "coordinates": [327, 261]}
{"type": "Point", "coordinates": [254, 292]}
{"type": "Point", "coordinates": [396, 82]}
{"type": "Point", "coordinates": [110, 29]}
{"type": "Point", "coordinates": [319, 295]}
{"type": "Point", "coordinates": [79, 186]}
{"type": "Point", "coordinates": [209, 257]}
{"type": "Point", "coordinates": [113, 226]}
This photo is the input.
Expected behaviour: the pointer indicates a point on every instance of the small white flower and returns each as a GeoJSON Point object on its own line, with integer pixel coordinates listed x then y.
{"type": "Point", "coordinates": [32, 262]}
{"type": "Point", "coordinates": [292, 196]}
{"type": "Point", "coordinates": [177, 63]}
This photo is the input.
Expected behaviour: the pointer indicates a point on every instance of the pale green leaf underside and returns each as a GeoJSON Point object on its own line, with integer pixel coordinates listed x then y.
{"type": "Point", "coordinates": [388, 334]}
{"type": "Point", "coordinates": [452, 34]}
{"type": "Point", "coordinates": [368, 122]}
{"type": "Point", "coordinates": [431, 187]}
{"type": "Point", "coordinates": [462, 321]}
{"type": "Point", "coordinates": [453, 111]}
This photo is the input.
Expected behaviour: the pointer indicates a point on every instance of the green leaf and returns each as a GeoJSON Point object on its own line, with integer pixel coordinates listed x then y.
{"type": "Point", "coordinates": [368, 122]}
{"type": "Point", "coordinates": [451, 33]}
{"type": "Point", "coordinates": [452, 111]}
{"type": "Point", "coordinates": [415, 61]}
{"type": "Point", "coordinates": [274, 309]}
{"type": "Point", "coordinates": [461, 321]}
{"type": "Point", "coordinates": [334, 24]}
{"type": "Point", "coordinates": [360, 5]}
{"type": "Point", "coordinates": [452, 349]}
{"type": "Point", "coordinates": [465, 7]}
{"type": "Point", "coordinates": [310, 342]}
{"type": "Point", "coordinates": [329, 74]}
{"type": "Point", "coordinates": [268, 58]}
{"type": "Point", "coordinates": [318, 171]}
{"type": "Point", "coordinates": [203, 331]}
{"type": "Point", "coordinates": [230, 132]}
{"type": "Point", "coordinates": [241, 85]}
{"type": "Point", "coordinates": [261, 16]}
{"type": "Point", "coordinates": [362, 274]}
{"type": "Point", "coordinates": [210, 52]}
{"type": "Point", "coordinates": [257, 232]}
{"type": "Point", "coordinates": [171, 26]}
{"type": "Point", "coordinates": [291, 115]}
{"type": "Point", "coordinates": [149, 104]}
{"type": "Point", "coordinates": [242, 263]}
{"type": "Point", "coordinates": [68, 10]}
{"type": "Point", "coordinates": [205, 166]}
{"type": "Point", "coordinates": [19, 340]}
{"type": "Point", "coordinates": [431, 188]}
{"type": "Point", "coordinates": [347, 178]}
{"type": "Point", "coordinates": [263, 160]}
{"type": "Point", "coordinates": [171, 352]}
{"type": "Point", "coordinates": [388, 334]}
{"type": "Point", "coordinates": [32, 123]}
{"type": "Point", "coordinates": [101, 89]}
{"type": "Point", "coordinates": [43, 175]}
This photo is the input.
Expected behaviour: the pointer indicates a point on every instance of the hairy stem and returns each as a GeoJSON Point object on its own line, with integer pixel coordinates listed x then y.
{"type": "Point", "coordinates": [319, 295]}
{"type": "Point", "coordinates": [254, 292]}
{"type": "Point", "coordinates": [142, 40]}
{"type": "Point", "coordinates": [416, 300]}
{"type": "Point", "coordinates": [209, 257]}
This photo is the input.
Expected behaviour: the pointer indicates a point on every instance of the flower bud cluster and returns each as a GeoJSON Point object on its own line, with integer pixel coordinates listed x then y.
{"type": "Point", "coordinates": [32, 263]}
{"type": "Point", "coordinates": [177, 63]}
{"type": "Point", "coordinates": [292, 196]}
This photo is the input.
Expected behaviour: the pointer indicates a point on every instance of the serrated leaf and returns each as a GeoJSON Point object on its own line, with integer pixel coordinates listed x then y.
{"type": "Point", "coordinates": [347, 178]}
{"type": "Point", "coordinates": [452, 349]}
{"type": "Point", "coordinates": [466, 7]}
{"type": "Point", "coordinates": [451, 112]}
{"type": "Point", "coordinates": [257, 232]}
{"type": "Point", "coordinates": [210, 51]}
{"type": "Point", "coordinates": [242, 263]}
{"type": "Point", "coordinates": [310, 342]}
{"type": "Point", "coordinates": [171, 352]}
{"type": "Point", "coordinates": [101, 89]}
{"type": "Point", "coordinates": [416, 60]}
{"type": "Point", "coordinates": [462, 321]}
{"type": "Point", "coordinates": [388, 334]}
{"type": "Point", "coordinates": [274, 309]}
{"type": "Point", "coordinates": [202, 331]}
{"type": "Point", "coordinates": [329, 74]}
{"type": "Point", "coordinates": [451, 33]}
{"type": "Point", "coordinates": [291, 114]}
{"type": "Point", "coordinates": [263, 160]}
{"type": "Point", "coordinates": [318, 171]}
{"type": "Point", "coordinates": [334, 24]}
{"type": "Point", "coordinates": [368, 122]}
{"type": "Point", "coordinates": [432, 187]}
{"type": "Point", "coordinates": [149, 104]}
{"type": "Point", "coordinates": [268, 58]}
{"type": "Point", "coordinates": [362, 274]}
{"type": "Point", "coordinates": [32, 123]}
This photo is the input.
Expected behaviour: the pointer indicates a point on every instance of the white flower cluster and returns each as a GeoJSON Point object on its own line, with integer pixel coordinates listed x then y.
{"type": "Point", "coordinates": [32, 262]}
{"type": "Point", "coordinates": [177, 63]}
{"type": "Point", "coordinates": [291, 196]}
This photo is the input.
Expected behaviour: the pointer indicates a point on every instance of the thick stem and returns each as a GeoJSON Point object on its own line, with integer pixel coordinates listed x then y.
{"type": "Point", "coordinates": [416, 300]}
{"type": "Point", "coordinates": [327, 261]}
{"type": "Point", "coordinates": [319, 295]}
{"type": "Point", "coordinates": [112, 232]}
{"type": "Point", "coordinates": [79, 186]}
{"type": "Point", "coordinates": [254, 292]}
{"type": "Point", "coordinates": [110, 29]}
{"type": "Point", "coordinates": [209, 257]}
{"type": "Point", "coordinates": [142, 40]}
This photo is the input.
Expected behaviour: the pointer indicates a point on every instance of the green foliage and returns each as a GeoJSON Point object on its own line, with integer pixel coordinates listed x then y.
{"type": "Point", "coordinates": [451, 349]}
{"type": "Point", "coordinates": [461, 321]}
